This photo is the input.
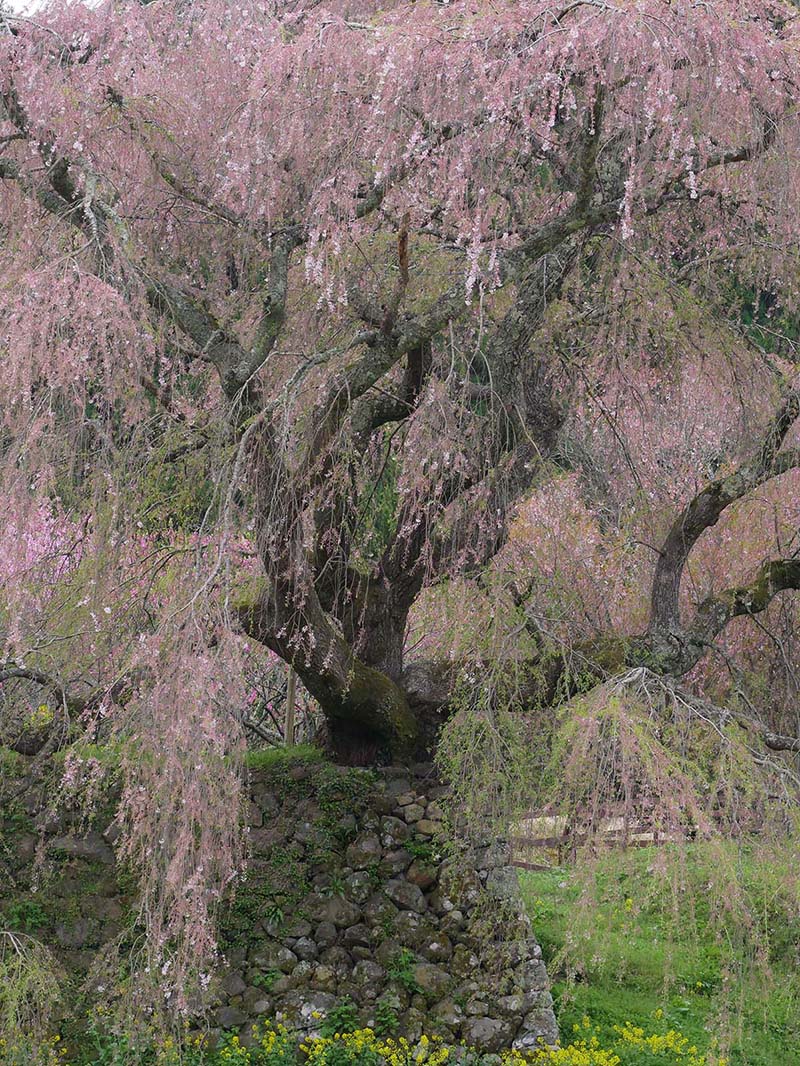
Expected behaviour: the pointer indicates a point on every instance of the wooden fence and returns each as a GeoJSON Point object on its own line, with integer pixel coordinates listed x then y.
{"type": "Point", "coordinates": [540, 842]}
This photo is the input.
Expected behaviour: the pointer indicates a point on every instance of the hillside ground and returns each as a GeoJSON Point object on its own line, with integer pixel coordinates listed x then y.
{"type": "Point", "coordinates": [644, 936]}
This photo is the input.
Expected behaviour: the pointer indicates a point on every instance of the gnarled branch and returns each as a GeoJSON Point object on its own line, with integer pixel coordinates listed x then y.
{"type": "Point", "coordinates": [707, 507]}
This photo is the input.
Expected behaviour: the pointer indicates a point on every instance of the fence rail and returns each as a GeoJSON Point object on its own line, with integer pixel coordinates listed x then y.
{"type": "Point", "coordinates": [539, 838]}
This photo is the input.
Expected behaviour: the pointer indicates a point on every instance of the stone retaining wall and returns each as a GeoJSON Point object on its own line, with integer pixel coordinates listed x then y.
{"type": "Point", "coordinates": [353, 902]}
{"type": "Point", "coordinates": [393, 923]}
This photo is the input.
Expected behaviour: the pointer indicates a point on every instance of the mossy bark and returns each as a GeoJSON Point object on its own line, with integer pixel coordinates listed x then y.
{"type": "Point", "coordinates": [367, 713]}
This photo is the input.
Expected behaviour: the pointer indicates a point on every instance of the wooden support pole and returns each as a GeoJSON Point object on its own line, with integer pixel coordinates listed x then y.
{"type": "Point", "coordinates": [291, 692]}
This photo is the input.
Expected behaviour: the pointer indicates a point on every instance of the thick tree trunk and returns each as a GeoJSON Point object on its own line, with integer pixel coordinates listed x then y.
{"type": "Point", "coordinates": [379, 638]}
{"type": "Point", "coordinates": [365, 709]}
{"type": "Point", "coordinates": [368, 717]}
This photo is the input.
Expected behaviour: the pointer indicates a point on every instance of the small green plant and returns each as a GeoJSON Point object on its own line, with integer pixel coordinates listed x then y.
{"type": "Point", "coordinates": [388, 925]}
{"type": "Point", "coordinates": [23, 915]}
{"type": "Point", "coordinates": [387, 1020]}
{"type": "Point", "coordinates": [422, 848]}
{"type": "Point", "coordinates": [336, 886]}
{"type": "Point", "coordinates": [401, 970]}
{"type": "Point", "coordinates": [342, 797]}
{"type": "Point", "coordinates": [343, 1018]}
{"type": "Point", "coordinates": [273, 913]}
{"type": "Point", "coordinates": [540, 909]}
{"type": "Point", "coordinates": [265, 899]}
{"type": "Point", "coordinates": [266, 979]}
{"type": "Point", "coordinates": [374, 875]}
{"type": "Point", "coordinates": [11, 763]}
{"type": "Point", "coordinates": [109, 1048]}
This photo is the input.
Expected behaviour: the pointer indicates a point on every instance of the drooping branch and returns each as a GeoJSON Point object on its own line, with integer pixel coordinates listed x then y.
{"type": "Point", "coordinates": [57, 193]}
{"type": "Point", "coordinates": [744, 153]}
{"type": "Point", "coordinates": [396, 298]}
{"type": "Point", "coordinates": [215, 344]}
{"type": "Point", "coordinates": [42, 192]}
{"type": "Point", "coordinates": [780, 742]}
{"type": "Point", "coordinates": [59, 196]}
{"type": "Point", "coordinates": [704, 511]}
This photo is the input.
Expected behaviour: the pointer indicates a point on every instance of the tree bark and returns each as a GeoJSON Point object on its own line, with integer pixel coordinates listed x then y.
{"type": "Point", "coordinates": [364, 707]}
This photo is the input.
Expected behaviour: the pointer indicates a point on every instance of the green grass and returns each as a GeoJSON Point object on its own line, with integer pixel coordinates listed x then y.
{"type": "Point", "coordinates": [271, 758]}
{"type": "Point", "coordinates": [707, 942]}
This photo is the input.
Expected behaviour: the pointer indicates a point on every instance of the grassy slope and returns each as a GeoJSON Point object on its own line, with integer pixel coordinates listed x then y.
{"type": "Point", "coordinates": [649, 941]}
